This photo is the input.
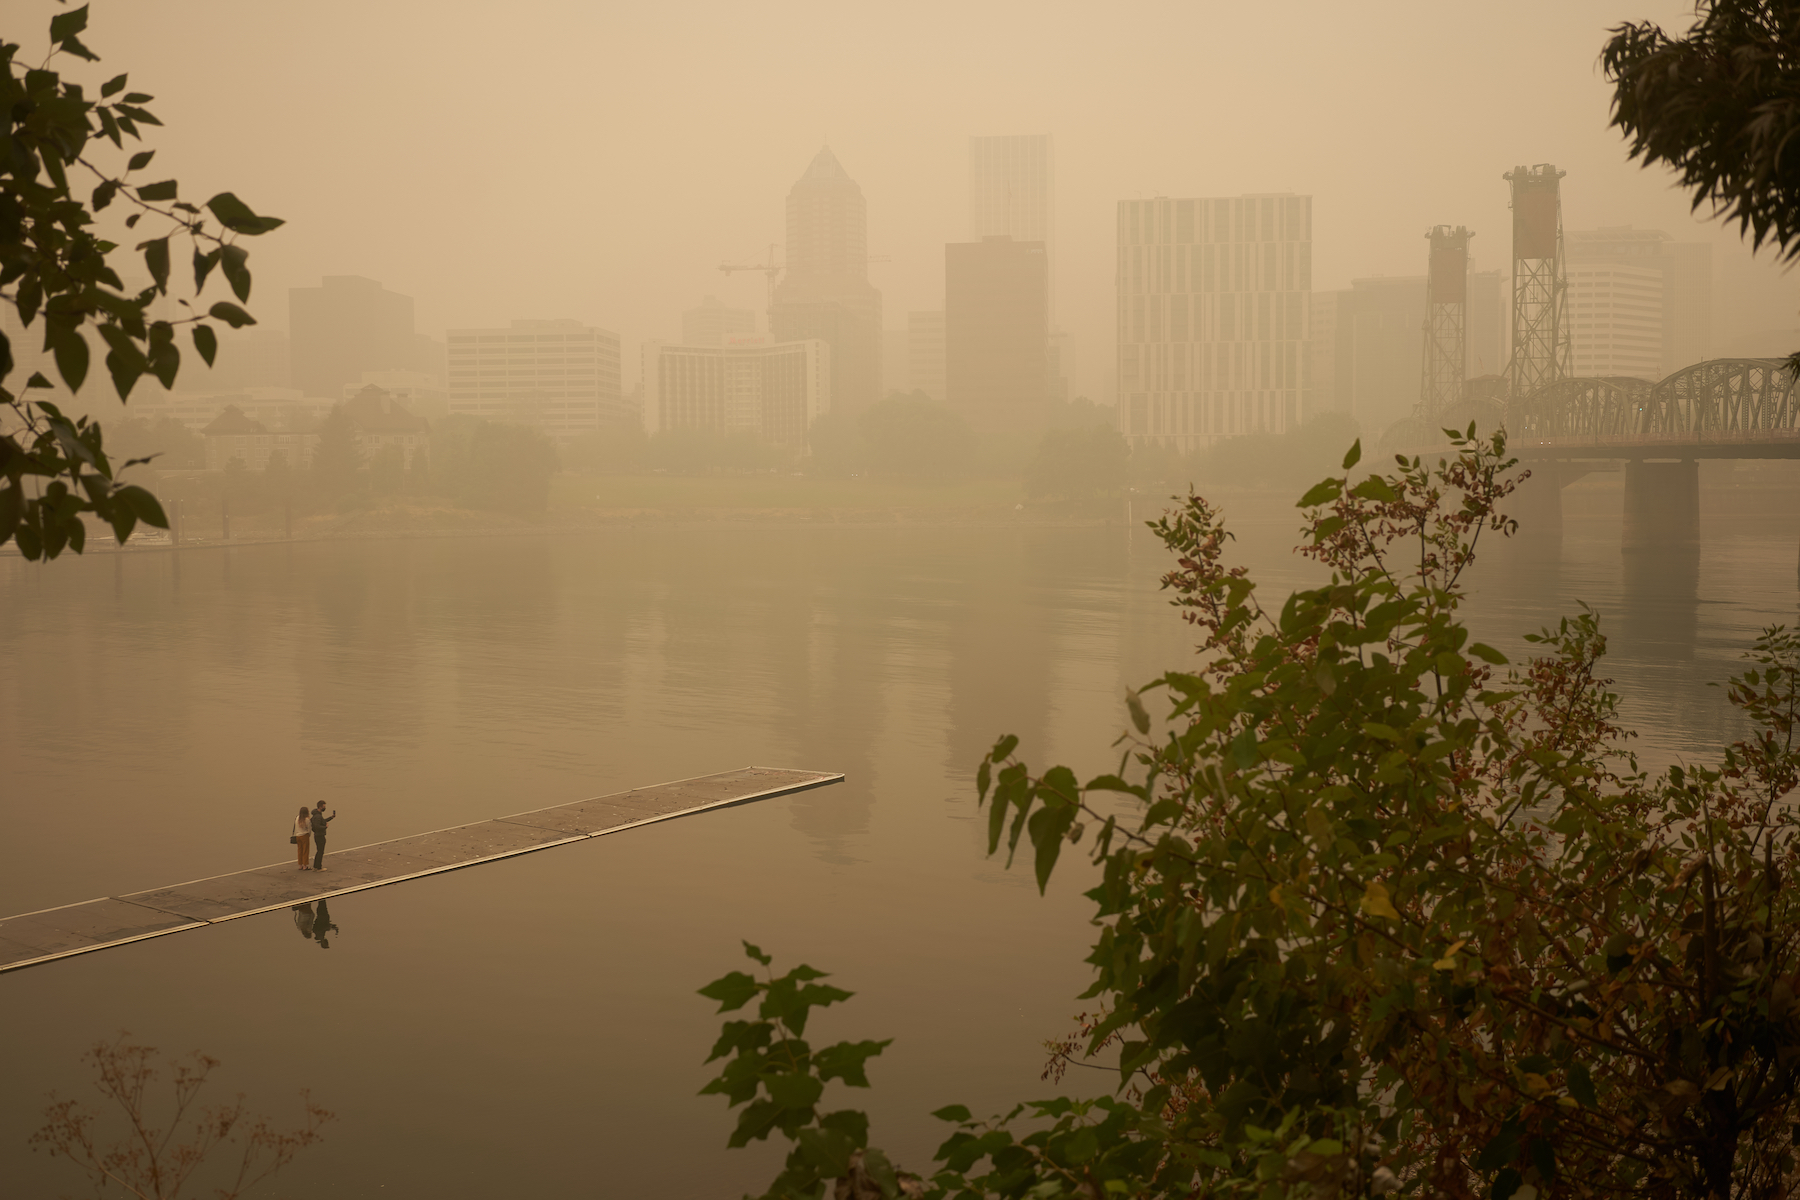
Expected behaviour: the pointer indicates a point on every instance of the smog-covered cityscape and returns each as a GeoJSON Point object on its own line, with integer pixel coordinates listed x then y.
{"type": "Point", "coordinates": [1018, 600]}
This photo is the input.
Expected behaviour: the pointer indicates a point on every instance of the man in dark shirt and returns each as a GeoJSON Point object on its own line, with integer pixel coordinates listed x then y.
{"type": "Point", "coordinates": [318, 822]}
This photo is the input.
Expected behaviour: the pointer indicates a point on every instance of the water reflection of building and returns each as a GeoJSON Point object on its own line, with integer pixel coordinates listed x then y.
{"type": "Point", "coordinates": [559, 376]}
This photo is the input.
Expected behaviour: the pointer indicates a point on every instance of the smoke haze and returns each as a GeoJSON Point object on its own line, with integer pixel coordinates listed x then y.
{"type": "Point", "coordinates": [598, 161]}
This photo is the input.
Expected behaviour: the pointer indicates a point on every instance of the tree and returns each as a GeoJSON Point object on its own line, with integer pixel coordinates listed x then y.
{"type": "Point", "coordinates": [148, 1161]}
{"type": "Point", "coordinates": [56, 270]}
{"type": "Point", "coordinates": [483, 464]}
{"type": "Point", "coordinates": [337, 461]}
{"type": "Point", "coordinates": [914, 436]}
{"type": "Point", "coordinates": [1375, 917]}
{"type": "Point", "coordinates": [1076, 464]}
{"type": "Point", "coordinates": [1721, 106]}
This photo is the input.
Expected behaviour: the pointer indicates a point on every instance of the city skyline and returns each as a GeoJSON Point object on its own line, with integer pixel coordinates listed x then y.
{"type": "Point", "coordinates": [630, 234]}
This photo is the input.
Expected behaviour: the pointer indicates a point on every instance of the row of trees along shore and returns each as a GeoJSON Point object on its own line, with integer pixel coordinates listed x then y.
{"type": "Point", "coordinates": [1378, 911]}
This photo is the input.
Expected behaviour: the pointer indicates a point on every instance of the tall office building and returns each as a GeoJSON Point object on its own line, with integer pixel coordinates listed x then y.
{"type": "Point", "coordinates": [1640, 303]}
{"type": "Point", "coordinates": [925, 352]}
{"type": "Point", "coordinates": [751, 384]}
{"type": "Point", "coordinates": [558, 376]}
{"type": "Point", "coordinates": [997, 333]}
{"type": "Point", "coordinates": [896, 362]}
{"type": "Point", "coordinates": [710, 322]}
{"type": "Point", "coordinates": [1214, 302]}
{"type": "Point", "coordinates": [345, 326]}
{"type": "Point", "coordinates": [1616, 319]}
{"type": "Point", "coordinates": [1012, 193]}
{"type": "Point", "coordinates": [825, 291]}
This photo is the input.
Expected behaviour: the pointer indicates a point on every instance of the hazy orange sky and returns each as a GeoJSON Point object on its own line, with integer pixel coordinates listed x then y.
{"type": "Point", "coordinates": [598, 160]}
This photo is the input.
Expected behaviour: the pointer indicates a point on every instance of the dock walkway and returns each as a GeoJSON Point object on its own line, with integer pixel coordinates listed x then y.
{"type": "Point", "coordinates": [30, 939]}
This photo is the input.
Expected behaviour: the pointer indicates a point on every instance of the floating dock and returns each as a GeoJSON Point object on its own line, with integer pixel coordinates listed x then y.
{"type": "Point", "coordinates": [30, 939]}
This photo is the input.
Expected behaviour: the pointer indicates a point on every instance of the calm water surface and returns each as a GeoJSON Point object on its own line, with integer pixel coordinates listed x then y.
{"type": "Point", "coordinates": [529, 1027]}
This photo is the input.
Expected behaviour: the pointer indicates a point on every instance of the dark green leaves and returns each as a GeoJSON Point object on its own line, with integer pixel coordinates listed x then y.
{"type": "Point", "coordinates": [778, 1080]}
{"type": "Point", "coordinates": [141, 159]}
{"type": "Point", "coordinates": [1487, 654]}
{"type": "Point", "coordinates": [237, 216]}
{"type": "Point", "coordinates": [1353, 455]}
{"type": "Point", "coordinates": [231, 314]}
{"type": "Point", "coordinates": [153, 192]}
{"type": "Point", "coordinates": [156, 259]}
{"type": "Point", "coordinates": [206, 342]}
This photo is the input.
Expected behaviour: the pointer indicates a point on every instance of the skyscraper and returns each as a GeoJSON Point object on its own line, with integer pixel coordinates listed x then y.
{"type": "Point", "coordinates": [1214, 303]}
{"type": "Point", "coordinates": [825, 291]}
{"type": "Point", "coordinates": [1640, 302]}
{"type": "Point", "coordinates": [925, 352]}
{"type": "Point", "coordinates": [996, 333]}
{"type": "Point", "coordinates": [1012, 193]}
{"type": "Point", "coordinates": [1012, 189]}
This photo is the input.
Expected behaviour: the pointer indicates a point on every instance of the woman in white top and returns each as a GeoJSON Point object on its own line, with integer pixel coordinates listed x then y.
{"type": "Point", "coordinates": [303, 838]}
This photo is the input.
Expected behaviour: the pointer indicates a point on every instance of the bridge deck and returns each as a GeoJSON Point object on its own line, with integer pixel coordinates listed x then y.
{"type": "Point", "coordinates": [32, 938]}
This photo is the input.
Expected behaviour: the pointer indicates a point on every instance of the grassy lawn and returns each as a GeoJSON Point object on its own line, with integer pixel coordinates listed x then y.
{"type": "Point", "coordinates": [678, 492]}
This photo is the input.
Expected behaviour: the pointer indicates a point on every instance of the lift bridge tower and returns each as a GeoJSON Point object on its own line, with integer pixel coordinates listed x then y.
{"type": "Point", "coordinates": [1446, 322]}
{"type": "Point", "coordinates": [1541, 352]}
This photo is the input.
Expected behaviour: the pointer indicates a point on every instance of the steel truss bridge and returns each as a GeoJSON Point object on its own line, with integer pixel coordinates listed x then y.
{"type": "Point", "coordinates": [1721, 408]}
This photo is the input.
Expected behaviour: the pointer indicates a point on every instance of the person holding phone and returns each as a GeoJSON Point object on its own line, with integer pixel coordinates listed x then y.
{"type": "Point", "coordinates": [318, 823]}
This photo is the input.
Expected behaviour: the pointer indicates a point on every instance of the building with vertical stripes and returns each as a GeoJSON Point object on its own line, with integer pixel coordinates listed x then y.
{"type": "Point", "coordinates": [558, 376]}
{"type": "Point", "coordinates": [752, 384]}
{"type": "Point", "coordinates": [1214, 308]}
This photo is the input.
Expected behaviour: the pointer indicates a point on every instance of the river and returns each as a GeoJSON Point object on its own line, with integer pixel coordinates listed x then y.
{"type": "Point", "coordinates": [530, 1027]}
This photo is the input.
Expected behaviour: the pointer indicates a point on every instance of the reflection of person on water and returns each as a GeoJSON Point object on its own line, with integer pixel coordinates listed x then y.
{"type": "Point", "coordinates": [323, 926]}
{"type": "Point", "coordinates": [314, 927]}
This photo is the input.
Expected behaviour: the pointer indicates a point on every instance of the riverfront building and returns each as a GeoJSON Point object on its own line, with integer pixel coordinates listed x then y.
{"type": "Point", "coordinates": [1214, 304]}
{"type": "Point", "coordinates": [751, 384]}
{"type": "Point", "coordinates": [558, 376]}
{"type": "Point", "coordinates": [997, 333]}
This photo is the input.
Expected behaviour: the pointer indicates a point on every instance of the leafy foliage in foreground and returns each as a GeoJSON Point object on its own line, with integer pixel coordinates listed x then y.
{"type": "Point", "coordinates": [1721, 106]}
{"type": "Point", "coordinates": [1375, 917]}
{"type": "Point", "coordinates": [56, 271]}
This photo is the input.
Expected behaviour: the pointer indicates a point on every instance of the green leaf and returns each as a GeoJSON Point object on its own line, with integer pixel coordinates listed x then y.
{"type": "Point", "coordinates": [203, 265]}
{"type": "Point", "coordinates": [166, 190]}
{"type": "Point", "coordinates": [66, 25]}
{"type": "Point", "coordinates": [237, 216]}
{"type": "Point", "coordinates": [846, 1060]}
{"type": "Point", "coordinates": [156, 258]}
{"type": "Point", "coordinates": [232, 261]}
{"type": "Point", "coordinates": [732, 991]}
{"type": "Point", "coordinates": [1355, 454]}
{"type": "Point", "coordinates": [1321, 492]}
{"type": "Point", "coordinates": [1140, 717]}
{"type": "Point", "coordinates": [103, 195]}
{"type": "Point", "coordinates": [231, 314]}
{"type": "Point", "coordinates": [953, 1112]}
{"type": "Point", "coordinates": [1581, 1086]}
{"type": "Point", "coordinates": [1003, 748]}
{"type": "Point", "coordinates": [1375, 488]}
{"type": "Point", "coordinates": [112, 86]}
{"type": "Point", "coordinates": [1487, 654]}
{"type": "Point", "coordinates": [756, 953]}
{"type": "Point", "coordinates": [206, 342]}
{"type": "Point", "coordinates": [71, 353]}
{"type": "Point", "coordinates": [793, 1090]}
{"type": "Point", "coordinates": [141, 159]}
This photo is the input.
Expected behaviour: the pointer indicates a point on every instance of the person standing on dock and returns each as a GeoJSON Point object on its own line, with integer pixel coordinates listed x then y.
{"type": "Point", "coordinates": [302, 838]}
{"type": "Point", "coordinates": [319, 822]}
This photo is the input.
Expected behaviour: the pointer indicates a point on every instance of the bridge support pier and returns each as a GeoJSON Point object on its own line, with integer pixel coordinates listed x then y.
{"type": "Point", "coordinates": [1662, 506]}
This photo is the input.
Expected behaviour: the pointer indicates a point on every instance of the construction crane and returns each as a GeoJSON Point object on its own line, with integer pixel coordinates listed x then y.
{"type": "Point", "coordinates": [769, 270]}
